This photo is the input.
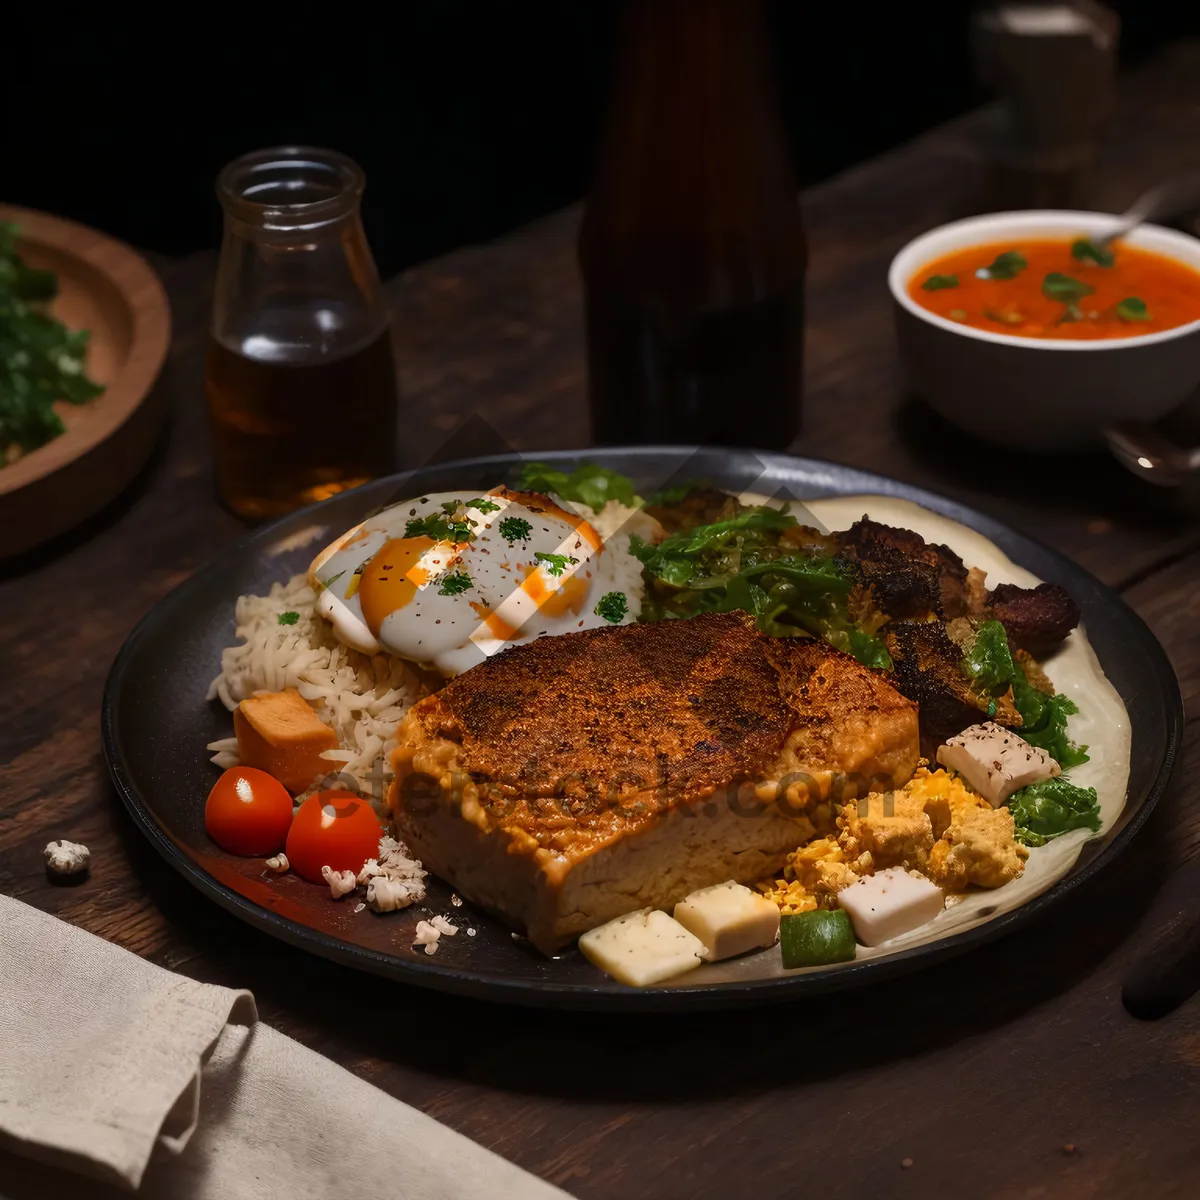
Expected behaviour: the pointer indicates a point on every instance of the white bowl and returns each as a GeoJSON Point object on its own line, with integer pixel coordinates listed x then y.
{"type": "Point", "coordinates": [1041, 393]}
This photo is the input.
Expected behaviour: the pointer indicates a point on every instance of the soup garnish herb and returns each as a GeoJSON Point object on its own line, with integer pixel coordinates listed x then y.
{"type": "Point", "coordinates": [1085, 250]}
{"type": "Point", "coordinates": [1133, 309]}
{"type": "Point", "coordinates": [1004, 266]}
{"type": "Point", "coordinates": [935, 283]}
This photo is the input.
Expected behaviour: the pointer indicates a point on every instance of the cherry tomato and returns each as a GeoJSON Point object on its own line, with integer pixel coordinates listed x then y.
{"type": "Point", "coordinates": [333, 829]}
{"type": "Point", "coordinates": [248, 812]}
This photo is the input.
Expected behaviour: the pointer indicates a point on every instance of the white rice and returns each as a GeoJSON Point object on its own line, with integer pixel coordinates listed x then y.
{"type": "Point", "coordinates": [362, 697]}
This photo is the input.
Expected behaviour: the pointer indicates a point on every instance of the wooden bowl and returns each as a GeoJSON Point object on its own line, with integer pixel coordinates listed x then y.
{"type": "Point", "coordinates": [107, 288]}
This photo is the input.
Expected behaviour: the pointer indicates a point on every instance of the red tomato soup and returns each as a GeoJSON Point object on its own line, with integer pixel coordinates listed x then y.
{"type": "Point", "coordinates": [1059, 288]}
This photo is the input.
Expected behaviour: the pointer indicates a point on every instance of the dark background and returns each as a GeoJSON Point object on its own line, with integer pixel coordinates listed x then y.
{"type": "Point", "coordinates": [470, 116]}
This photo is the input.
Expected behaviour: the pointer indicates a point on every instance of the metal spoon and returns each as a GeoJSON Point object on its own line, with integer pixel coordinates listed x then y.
{"type": "Point", "coordinates": [1165, 199]}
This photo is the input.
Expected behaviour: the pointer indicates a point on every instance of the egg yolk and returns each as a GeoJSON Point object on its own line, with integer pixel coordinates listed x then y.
{"type": "Point", "coordinates": [552, 601]}
{"type": "Point", "coordinates": [390, 580]}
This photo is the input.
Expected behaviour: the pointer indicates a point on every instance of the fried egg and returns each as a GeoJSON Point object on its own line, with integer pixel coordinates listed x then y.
{"type": "Point", "coordinates": [450, 578]}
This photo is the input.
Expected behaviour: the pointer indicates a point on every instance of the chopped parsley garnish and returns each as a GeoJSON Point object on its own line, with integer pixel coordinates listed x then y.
{"type": "Point", "coordinates": [41, 361]}
{"type": "Point", "coordinates": [1004, 266]}
{"type": "Point", "coordinates": [453, 584]}
{"type": "Point", "coordinates": [515, 529]}
{"type": "Point", "coordinates": [1133, 309]}
{"type": "Point", "coordinates": [936, 283]}
{"type": "Point", "coordinates": [555, 564]}
{"type": "Point", "coordinates": [483, 504]}
{"type": "Point", "coordinates": [612, 607]}
{"type": "Point", "coordinates": [439, 528]}
{"type": "Point", "coordinates": [451, 506]}
{"type": "Point", "coordinates": [1085, 250]}
{"type": "Point", "coordinates": [288, 618]}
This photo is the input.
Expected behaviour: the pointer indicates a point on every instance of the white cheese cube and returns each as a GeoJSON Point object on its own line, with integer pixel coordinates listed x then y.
{"type": "Point", "coordinates": [729, 919]}
{"type": "Point", "coordinates": [996, 762]}
{"type": "Point", "coordinates": [642, 948]}
{"type": "Point", "coordinates": [885, 905]}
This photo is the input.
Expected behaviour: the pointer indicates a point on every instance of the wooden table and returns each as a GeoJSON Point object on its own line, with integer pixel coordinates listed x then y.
{"type": "Point", "coordinates": [1012, 1071]}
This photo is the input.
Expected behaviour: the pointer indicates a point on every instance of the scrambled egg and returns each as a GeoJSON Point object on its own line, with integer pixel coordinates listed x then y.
{"type": "Point", "coordinates": [935, 825]}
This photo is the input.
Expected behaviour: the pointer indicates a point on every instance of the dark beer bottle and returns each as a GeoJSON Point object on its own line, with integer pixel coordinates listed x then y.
{"type": "Point", "coordinates": [692, 247]}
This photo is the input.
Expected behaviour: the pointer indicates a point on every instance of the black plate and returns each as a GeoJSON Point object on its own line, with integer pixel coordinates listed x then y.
{"type": "Point", "coordinates": [156, 723]}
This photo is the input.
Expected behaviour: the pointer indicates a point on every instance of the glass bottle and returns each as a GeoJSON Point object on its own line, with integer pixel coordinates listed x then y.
{"type": "Point", "coordinates": [692, 247]}
{"type": "Point", "coordinates": [300, 378]}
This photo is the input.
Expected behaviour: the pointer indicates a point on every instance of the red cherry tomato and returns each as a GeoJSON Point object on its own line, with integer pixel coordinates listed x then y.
{"type": "Point", "coordinates": [248, 812]}
{"type": "Point", "coordinates": [333, 829]}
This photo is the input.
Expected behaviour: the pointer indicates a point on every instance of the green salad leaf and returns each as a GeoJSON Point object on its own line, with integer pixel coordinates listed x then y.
{"type": "Point", "coordinates": [989, 662]}
{"type": "Point", "coordinates": [1004, 266]}
{"type": "Point", "coordinates": [1046, 810]}
{"type": "Point", "coordinates": [1045, 721]}
{"type": "Point", "coordinates": [41, 361]}
{"type": "Point", "coordinates": [587, 484]}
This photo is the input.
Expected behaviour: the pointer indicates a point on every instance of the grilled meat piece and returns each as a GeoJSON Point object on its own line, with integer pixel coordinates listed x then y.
{"type": "Point", "coordinates": [568, 781]}
{"type": "Point", "coordinates": [909, 576]}
{"type": "Point", "coordinates": [927, 668]}
{"type": "Point", "coordinates": [1035, 619]}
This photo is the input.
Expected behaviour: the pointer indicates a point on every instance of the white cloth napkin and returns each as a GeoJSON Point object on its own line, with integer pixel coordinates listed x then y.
{"type": "Point", "coordinates": [117, 1069]}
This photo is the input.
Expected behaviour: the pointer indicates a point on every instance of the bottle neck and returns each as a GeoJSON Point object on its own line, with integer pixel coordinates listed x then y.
{"type": "Point", "coordinates": [694, 189]}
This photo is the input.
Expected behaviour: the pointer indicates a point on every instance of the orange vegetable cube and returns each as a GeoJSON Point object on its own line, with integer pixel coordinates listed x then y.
{"type": "Point", "coordinates": [279, 733]}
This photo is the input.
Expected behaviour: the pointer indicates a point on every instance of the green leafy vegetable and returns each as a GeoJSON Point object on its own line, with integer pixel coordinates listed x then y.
{"type": "Point", "coordinates": [612, 607]}
{"type": "Point", "coordinates": [330, 581]}
{"type": "Point", "coordinates": [1004, 266]}
{"type": "Point", "coordinates": [1064, 289]}
{"type": "Point", "coordinates": [587, 484]}
{"type": "Point", "coordinates": [515, 529]}
{"type": "Point", "coordinates": [1045, 721]}
{"type": "Point", "coordinates": [1085, 250]}
{"type": "Point", "coordinates": [40, 360]}
{"type": "Point", "coordinates": [288, 618]}
{"type": "Point", "coordinates": [439, 528]}
{"type": "Point", "coordinates": [555, 564]}
{"type": "Point", "coordinates": [450, 507]}
{"type": "Point", "coordinates": [989, 661]}
{"type": "Point", "coordinates": [1133, 309]}
{"type": "Point", "coordinates": [1046, 810]}
{"type": "Point", "coordinates": [744, 562]}
{"type": "Point", "coordinates": [483, 504]}
{"type": "Point", "coordinates": [938, 283]}
{"type": "Point", "coordinates": [671, 495]}
{"type": "Point", "coordinates": [453, 584]}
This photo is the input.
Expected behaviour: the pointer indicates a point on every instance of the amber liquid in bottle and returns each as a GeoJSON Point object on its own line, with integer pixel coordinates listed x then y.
{"type": "Point", "coordinates": [692, 247]}
{"type": "Point", "coordinates": [289, 429]}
